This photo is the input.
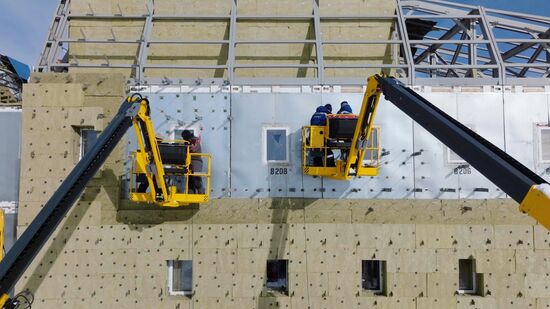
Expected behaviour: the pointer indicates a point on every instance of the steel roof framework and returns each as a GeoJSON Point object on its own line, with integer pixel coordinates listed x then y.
{"type": "Point", "coordinates": [467, 45]}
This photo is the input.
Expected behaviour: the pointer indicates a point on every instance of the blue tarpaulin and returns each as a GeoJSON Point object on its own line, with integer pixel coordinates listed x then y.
{"type": "Point", "coordinates": [23, 70]}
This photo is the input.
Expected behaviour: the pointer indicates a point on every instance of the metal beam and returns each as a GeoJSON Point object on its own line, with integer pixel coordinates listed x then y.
{"type": "Point", "coordinates": [523, 46]}
{"type": "Point", "coordinates": [403, 35]}
{"type": "Point", "coordinates": [493, 47]}
{"type": "Point", "coordinates": [446, 36]}
{"type": "Point", "coordinates": [144, 46]}
{"type": "Point", "coordinates": [318, 44]}
{"type": "Point", "coordinates": [534, 57]}
{"type": "Point", "coordinates": [232, 38]}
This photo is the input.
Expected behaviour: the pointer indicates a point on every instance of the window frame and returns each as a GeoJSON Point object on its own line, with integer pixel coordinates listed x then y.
{"type": "Point", "coordinates": [472, 291]}
{"type": "Point", "coordinates": [170, 279]}
{"type": "Point", "coordinates": [264, 144]}
{"type": "Point", "coordinates": [540, 128]}
{"type": "Point", "coordinates": [381, 276]}
{"type": "Point", "coordinates": [177, 137]}
{"type": "Point", "coordinates": [287, 286]}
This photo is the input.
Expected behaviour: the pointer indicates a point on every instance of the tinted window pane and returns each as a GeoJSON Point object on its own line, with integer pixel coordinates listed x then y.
{"type": "Point", "coordinates": [277, 275]}
{"type": "Point", "coordinates": [182, 276]}
{"type": "Point", "coordinates": [372, 276]}
{"type": "Point", "coordinates": [466, 270]}
{"type": "Point", "coordinates": [545, 144]}
{"type": "Point", "coordinates": [89, 137]}
{"type": "Point", "coordinates": [276, 141]}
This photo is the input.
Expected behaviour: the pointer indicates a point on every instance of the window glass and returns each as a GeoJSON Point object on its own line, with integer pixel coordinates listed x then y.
{"type": "Point", "coordinates": [277, 275]}
{"type": "Point", "coordinates": [180, 277]}
{"type": "Point", "coordinates": [545, 144]}
{"type": "Point", "coordinates": [276, 145]}
{"type": "Point", "coordinates": [467, 275]}
{"type": "Point", "coordinates": [372, 275]}
{"type": "Point", "coordinates": [88, 137]}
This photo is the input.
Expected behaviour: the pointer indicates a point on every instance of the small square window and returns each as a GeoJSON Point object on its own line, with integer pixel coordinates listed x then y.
{"type": "Point", "coordinates": [467, 277]}
{"type": "Point", "coordinates": [277, 275]}
{"type": "Point", "coordinates": [88, 137]}
{"type": "Point", "coordinates": [373, 275]}
{"type": "Point", "coordinates": [276, 142]}
{"type": "Point", "coordinates": [180, 277]}
{"type": "Point", "coordinates": [544, 143]}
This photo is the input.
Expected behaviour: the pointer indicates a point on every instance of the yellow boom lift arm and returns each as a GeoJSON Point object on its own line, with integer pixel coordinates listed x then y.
{"type": "Point", "coordinates": [165, 168]}
{"type": "Point", "coordinates": [530, 190]}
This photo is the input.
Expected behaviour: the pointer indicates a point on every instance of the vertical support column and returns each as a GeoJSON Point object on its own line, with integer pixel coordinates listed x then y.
{"type": "Point", "coordinates": [144, 46]}
{"type": "Point", "coordinates": [472, 48]}
{"type": "Point", "coordinates": [57, 28]}
{"type": "Point", "coordinates": [232, 38]}
{"type": "Point", "coordinates": [406, 45]}
{"type": "Point", "coordinates": [493, 50]}
{"type": "Point", "coordinates": [318, 43]}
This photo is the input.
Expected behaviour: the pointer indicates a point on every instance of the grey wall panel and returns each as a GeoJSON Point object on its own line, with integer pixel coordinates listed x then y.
{"type": "Point", "coordinates": [203, 112]}
{"type": "Point", "coordinates": [415, 164]}
{"type": "Point", "coordinates": [250, 175]}
{"type": "Point", "coordinates": [484, 113]}
{"type": "Point", "coordinates": [434, 178]}
{"type": "Point", "coordinates": [395, 175]}
{"type": "Point", "coordinates": [523, 111]}
{"type": "Point", "coordinates": [10, 141]}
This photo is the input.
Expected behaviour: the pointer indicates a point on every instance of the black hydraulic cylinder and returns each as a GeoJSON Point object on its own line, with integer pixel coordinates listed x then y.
{"type": "Point", "coordinates": [504, 171]}
{"type": "Point", "coordinates": [39, 231]}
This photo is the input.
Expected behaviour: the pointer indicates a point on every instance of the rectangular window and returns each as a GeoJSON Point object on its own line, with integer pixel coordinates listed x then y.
{"type": "Point", "coordinates": [544, 143]}
{"type": "Point", "coordinates": [88, 137]}
{"type": "Point", "coordinates": [372, 275]}
{"type": "Point", "coordinates": [467, 276]}
{"type": "Point", "coordinates": [180, 277]}
{"type": "Point", "coordinates": [277, 275]}
{"type": "Point", "coordinates": [276, 145]}
{"type": "Point", "coordinates": [175, 133]}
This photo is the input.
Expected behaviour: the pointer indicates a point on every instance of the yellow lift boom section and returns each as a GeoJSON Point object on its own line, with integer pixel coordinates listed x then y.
{"type": "Point", "coordinates": [165, 167]}
{"type": "Point", "coordinates": [358, 147]}
{"type": "Point", "coordinates": [530, 190]}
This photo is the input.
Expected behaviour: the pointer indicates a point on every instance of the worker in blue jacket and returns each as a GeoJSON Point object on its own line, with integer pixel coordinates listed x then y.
{"type": "Point", "coordinates": [345, 108]}
{"type": "Point", "coordinates": [320, 116]}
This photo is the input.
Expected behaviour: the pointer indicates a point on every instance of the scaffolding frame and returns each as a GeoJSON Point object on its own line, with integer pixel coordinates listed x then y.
{"type": "Point", "coordinates": [464, 45]}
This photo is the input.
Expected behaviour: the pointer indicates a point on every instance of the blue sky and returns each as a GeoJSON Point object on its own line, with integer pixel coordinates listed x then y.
{"type": "Point", "coordinates": [25, 23]}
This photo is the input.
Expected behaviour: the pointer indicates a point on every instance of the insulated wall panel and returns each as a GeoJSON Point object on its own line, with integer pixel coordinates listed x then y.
{"type": "Point", "coordinates": [251, 174]}
{"type": "Point", "coordinates": [395, 178]}
{"type": "Point", "coordinates": [483, 113]}
{"type": "Point", "coordinates": [434, 177]}
{"type": "Point", "coordinates": [523, 112]}
{"type": "Point", "coordinates": [10, 141]}
{"type": "Point", "coordinates": [206, 113]}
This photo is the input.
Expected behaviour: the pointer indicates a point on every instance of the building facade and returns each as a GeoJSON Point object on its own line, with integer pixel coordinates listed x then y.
{"type": "Point", "coordinates": [428, 232]}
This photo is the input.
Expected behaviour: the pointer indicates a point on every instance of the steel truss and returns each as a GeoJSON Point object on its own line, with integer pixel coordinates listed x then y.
{"type": "Point", "coordinates": [459, 45]}
{"type": "Point", "coordinates": [9, 79]}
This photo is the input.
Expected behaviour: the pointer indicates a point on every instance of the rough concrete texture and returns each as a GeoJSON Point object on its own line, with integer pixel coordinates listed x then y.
{"type": "Point", "coordinates": [211, 30]}
{"type": "Point", "coordinates": [110, 253]}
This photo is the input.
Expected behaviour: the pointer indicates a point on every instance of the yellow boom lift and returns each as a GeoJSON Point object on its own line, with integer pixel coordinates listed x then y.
{"type": "Point", "coordinates": [162, 173]}
{"type": "Point", "coordinates": [359, 152]}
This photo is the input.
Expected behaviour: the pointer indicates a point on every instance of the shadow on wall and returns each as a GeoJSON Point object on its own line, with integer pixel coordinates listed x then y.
{"type": "Point", "coordinates": [281, 214]}
{"type": "Point", "coordinates": [67, 228]}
